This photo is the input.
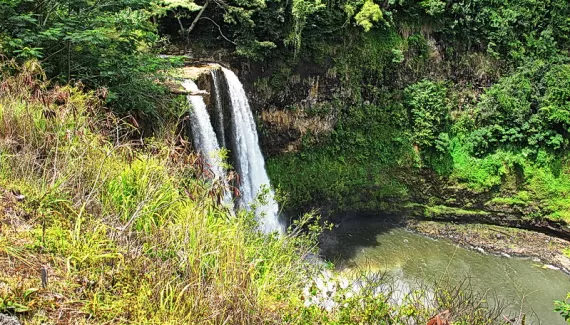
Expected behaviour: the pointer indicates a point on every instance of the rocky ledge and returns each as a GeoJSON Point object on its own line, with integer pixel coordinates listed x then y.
{"type": "Point", "coordinates": [550, 251]}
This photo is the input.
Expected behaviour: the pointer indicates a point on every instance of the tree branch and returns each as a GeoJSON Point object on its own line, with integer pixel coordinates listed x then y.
{"type": "Point", "coordinates": [182, 29]}
{"type": "Point", "coordinates": [197, 17]}
{"type": "Point", "coordinates": [219, 29]}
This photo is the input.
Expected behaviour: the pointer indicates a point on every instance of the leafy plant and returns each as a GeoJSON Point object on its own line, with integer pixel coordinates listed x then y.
{"type": "Point", "coordinates": [369, 14]}
{"type": "Point", "coordinates": [100, 44]}
{"type": "Point", "coordinates": [429, 112]}
{"type": "Point", "coordinates": [563, 308]}
{"type": "Point", "coordinates": [9, 306]}
{"type": "Point", "coordinates": [301, 10]}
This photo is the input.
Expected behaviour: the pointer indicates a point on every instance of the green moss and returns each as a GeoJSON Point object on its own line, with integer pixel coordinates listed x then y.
{"type": "Point", "coordinates": [442, 210]}
{"type": "Point", "coordinates": [522, 198]}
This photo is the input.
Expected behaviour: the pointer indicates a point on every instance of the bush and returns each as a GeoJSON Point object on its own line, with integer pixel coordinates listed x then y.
{"type": "Point", "coordinates": [527, 110]}
{"type": "Point", "coordinates": [428, 107]}
{"type": "Point", "coordinates": [100, 45]}
{"type": "Point", "coordinates": [555, 103]}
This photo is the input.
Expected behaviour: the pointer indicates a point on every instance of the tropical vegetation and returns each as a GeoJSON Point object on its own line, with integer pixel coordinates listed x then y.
{"type": "Point", "coordinates": [106, 216]}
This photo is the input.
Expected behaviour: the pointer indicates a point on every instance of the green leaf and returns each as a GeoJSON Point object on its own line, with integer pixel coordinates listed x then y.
{"type": "Point", "coordinates": [369, 14]}
{"type": "Point", "coordinates": [181, 4]}
{"type": "Point", "coordinates": [29, 291]}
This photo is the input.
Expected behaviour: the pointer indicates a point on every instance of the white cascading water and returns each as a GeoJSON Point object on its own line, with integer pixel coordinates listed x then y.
{"type": "Point", "coordinates": [203, 134]}
{"type": "Point", "coordinates": [204, 138]}
{"type": "Point", "coordinates": [249, 160]}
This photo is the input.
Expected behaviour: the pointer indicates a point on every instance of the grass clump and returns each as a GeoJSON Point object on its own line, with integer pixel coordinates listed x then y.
{"type": "Point", "coordinates": [126, 231]}
{"type": "Point", "coordinates": [98, 228]}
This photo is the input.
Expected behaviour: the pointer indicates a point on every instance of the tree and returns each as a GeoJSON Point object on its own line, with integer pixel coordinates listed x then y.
{"type": "Point", "coordinates": [301, 10]}
{"type": "Point", "coordinates": [100, 43]}
{"type": "Point", "coordinates": [239, 13]}
{"type": "Point", "coordinates": [369, 14]}
{"type": "Point", "coordinates": [184, 8]}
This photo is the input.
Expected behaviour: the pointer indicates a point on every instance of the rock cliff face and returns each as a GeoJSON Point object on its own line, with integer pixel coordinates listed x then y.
{"type": "Point", "coordinates": [288, 105]}
{"type": "Point", "coordinates": [306, 102]}
{"type": "Point", "coordinates": [437, 198]}
{"type": "Point", "coordinates": [291, 104]}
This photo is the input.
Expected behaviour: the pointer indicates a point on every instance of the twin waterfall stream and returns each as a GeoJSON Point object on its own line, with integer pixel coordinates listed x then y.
{"type": "Point", "coordinates": [243, 144]}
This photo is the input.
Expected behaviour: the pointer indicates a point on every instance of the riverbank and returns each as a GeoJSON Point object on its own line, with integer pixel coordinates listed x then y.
{"type": "Point", "coordinates": [492, 239]}
{"type": "Point", "coordinates": [510, 286]}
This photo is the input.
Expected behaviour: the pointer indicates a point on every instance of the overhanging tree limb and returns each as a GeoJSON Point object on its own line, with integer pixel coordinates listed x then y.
{"type": "Point", "coordinates": [220, 30]}
{"type": "Point", "coordinates": [197, 17]}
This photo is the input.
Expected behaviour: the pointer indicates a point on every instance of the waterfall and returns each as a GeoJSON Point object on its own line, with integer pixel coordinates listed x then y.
{"type": "Point", "coordinates": [205, 141]}
{"type": "Point", "coordinates": [248, 158]}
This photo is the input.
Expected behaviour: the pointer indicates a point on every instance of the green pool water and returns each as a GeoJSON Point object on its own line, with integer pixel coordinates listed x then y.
{"type": "Point", "coordinates": [379, 246]}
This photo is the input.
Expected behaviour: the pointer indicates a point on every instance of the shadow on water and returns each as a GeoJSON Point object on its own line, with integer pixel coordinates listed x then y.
{"type": "Point", "coordinates": [333, 243]}
{"type": "Point", "coordinates": [382, 245]}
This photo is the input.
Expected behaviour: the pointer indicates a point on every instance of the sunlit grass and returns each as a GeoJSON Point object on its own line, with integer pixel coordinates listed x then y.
{"type": "Point", "coordinates": [126, 233]}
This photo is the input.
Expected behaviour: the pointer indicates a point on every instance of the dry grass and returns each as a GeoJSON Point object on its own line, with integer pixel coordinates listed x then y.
{"type": "Point", "coordinates": [127, 232]}
{"type": "Point", "coordinates": [98, 229]}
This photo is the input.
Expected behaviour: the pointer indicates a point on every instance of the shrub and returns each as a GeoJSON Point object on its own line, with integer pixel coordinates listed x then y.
{"type": "Point", "coordinates": [100, 45]}
{"type": "Point", "coordinates": [428, 107]}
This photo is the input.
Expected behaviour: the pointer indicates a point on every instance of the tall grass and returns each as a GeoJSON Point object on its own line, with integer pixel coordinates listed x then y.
{"type": "Point", "coordinates": [97, 228]}
{"type": "Point", "coordinates": [128, 231]}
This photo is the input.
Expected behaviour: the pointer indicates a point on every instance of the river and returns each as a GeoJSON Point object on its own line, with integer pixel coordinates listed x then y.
{"type": "Point", "coordinates": [381, 246]}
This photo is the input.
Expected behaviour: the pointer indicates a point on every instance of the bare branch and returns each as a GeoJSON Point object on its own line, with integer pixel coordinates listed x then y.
{"type": "Point", "coordinates": [220, 30]}
{"type": "Point", "coordinates": [182, 29]}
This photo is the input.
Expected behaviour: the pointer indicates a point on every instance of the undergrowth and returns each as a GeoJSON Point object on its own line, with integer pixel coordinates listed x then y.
{"type": "Point", "coordinates": [354, 169]}
{"type": "Point", "coordinates": [98, 228]}
{"type": "Point", "coordinates": [126, 231]}
{"type": "Point", "coordinates": [522, 180]}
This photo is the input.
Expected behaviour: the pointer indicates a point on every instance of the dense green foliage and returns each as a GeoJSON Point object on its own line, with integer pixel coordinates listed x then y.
{"type": "Point", "coordinates": [348, 161]}
{"type": "Point", "coordinates": [429, 113]}
{"type": "Point", "coordinates": [470, 95]}
{"type": "Point", "coordinates": [513, 30]}
{"type": "Point", "coordinates": [475, 91]}
{"type": "Point", "coordinates": [98, 43]}
{"type": "Point", "coordinates": [528, 109]}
